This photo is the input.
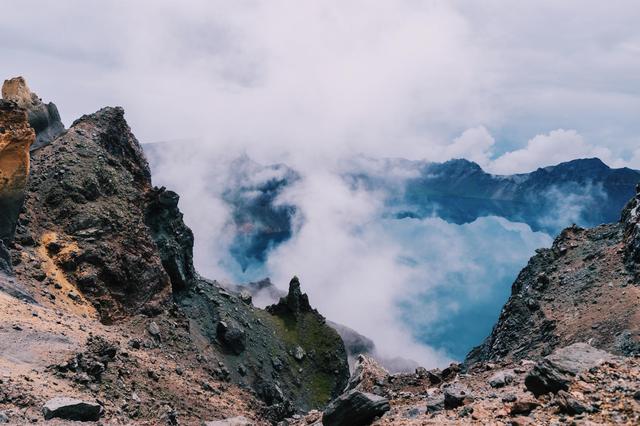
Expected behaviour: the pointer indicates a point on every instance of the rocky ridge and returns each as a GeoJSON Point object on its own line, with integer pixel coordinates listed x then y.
{"type": "Point", "coordinates": [99, 253]}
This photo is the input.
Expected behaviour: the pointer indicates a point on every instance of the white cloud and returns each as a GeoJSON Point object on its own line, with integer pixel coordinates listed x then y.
{"type": "Point", "coordinates": [474, 144]}
{"type": "Point", "coordinates": [546, 150]}
{"type": "Point", "coordinates": [635, 159]}
{"type": "Point", "coordinates": [298, 78]}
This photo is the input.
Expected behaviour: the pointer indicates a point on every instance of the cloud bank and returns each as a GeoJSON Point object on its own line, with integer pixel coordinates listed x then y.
{"type": "Point", "coordinates": [312, 83]}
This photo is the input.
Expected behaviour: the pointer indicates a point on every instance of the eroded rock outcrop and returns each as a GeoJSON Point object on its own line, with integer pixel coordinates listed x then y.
{"type": "Point", "coordinates": [84, 218]}
{"type": "Point", "coordinates": [43, 118]}
{"type": "Point", "coordinates": [16, 137]}
{"type": "Point", "coordinates": [294, 303]}
{"type": "Point", "coordinates": [173, 238]}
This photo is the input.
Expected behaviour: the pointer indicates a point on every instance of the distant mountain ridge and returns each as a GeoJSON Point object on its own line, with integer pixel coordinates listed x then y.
{"type": "Point", "coordinates": [585, 191]}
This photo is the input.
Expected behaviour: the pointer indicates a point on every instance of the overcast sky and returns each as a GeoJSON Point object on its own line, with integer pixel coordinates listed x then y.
{"type": "Point", "coordinates": [512, 85]}
{"type": "Point", "coordinates": [556, 80]}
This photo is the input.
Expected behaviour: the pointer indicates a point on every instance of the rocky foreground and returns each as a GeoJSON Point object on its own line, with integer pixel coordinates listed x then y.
{"type": "Point", "coordinates": [104, 319]}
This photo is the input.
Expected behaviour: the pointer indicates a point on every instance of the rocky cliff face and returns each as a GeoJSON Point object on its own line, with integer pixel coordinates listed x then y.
{"type": "Point", "coordinates": [585, 288]}
{"type": "Point", "coordinates": [16, 137]}
{"type": "Point", "coordinates": [97, 244]}
{"type": "Point", "coordinates": [85, 217]}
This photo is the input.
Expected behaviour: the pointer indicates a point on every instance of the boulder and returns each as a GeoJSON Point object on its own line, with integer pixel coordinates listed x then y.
{"type": "Point", "coordinates": [367, 374]}
{"type": "Point", "coordinates": [456, 395]}
{"type": "Point", "coordinates": [435, 403]}
{"type": "Point", "coordinates": [72, 409]}
{"type": "Point", "coordinates": [154, 330]}
{"type": "Point", "coordinates": [523, 408]}
{"type": "Point", "coordinates": [299, 353]}
{"type": "Point", "coordinates": [246, 297]}
{"type": "Point", "coordinates": [556, 371]}
{"type": "Point", "coordinates": [354, 408]}
{"type": "Point", "coordinates": [570, 405]}
{"type": "Point", "coordinates": [501, 379]}
{"type": "Point", "coordinates": [232, 336]}
{"type": "Point", "coordinates": [434, 376]}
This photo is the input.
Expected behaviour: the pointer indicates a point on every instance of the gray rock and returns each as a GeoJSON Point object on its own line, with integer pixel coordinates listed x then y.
{"type": "Point", "coordinates": [232, 335]}
{"type": "Point", "coordinates": [4, 418]}
{"type": "Point", "coordinates": [154, 330]}
{"type": "Point", "coordinates": [434, 376]}
{"type": "Point", "coordinates": [414, 412]}
{"type": "Point", "coordinates": [246, 297]}
{"type": "Point", "coordinates": [501, 379]}
{"type": "Point", "coordinates": [456, 395]}
{"type": "Point", "coordinates": [299, 353]}
{"type": "Point", "coordinates": [71, 409]}
{"type": "Point", "coordinates": [232, 421]}
{"type": "Point", "coordinates": [569, 405]}
{"type": "Point", "coordinates": [523, 408]}
{"type": "Point", "coordinates": [435, 403]}
{"type": "Point", "coordinates": [556, 371]}
{"type": "Point", "coordinates": [509, 398]}
{"type": "Point", "coordinates": [354, 408]}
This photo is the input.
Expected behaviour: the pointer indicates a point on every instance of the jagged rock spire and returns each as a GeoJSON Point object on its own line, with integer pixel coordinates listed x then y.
{"type": "Point", "coordinates": [295, 302]}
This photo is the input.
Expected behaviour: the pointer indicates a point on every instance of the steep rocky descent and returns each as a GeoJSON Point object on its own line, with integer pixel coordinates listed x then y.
{"type": "Point", "coordinates": [16, 138]}
{"type": "Point", "coordinates": [584, 288]}
{"type": "Point", "coordinates": [265, 293]}
{"type": "Point", "coordinates": [292, 359]}
{"type": "Point", "coordinates": [96, 240]}
{"type": "Point", "coordinates": [43, 118]}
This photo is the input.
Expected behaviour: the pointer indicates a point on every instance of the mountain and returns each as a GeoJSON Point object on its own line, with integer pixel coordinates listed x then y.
{"type": "Point", "coordinates": [99, 295]}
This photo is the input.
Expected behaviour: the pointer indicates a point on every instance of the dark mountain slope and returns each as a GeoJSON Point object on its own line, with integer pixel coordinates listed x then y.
{"type": "Point", "coordinates": [584, 288]}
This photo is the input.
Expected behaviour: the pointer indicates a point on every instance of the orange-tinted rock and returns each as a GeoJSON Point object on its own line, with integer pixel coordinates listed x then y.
{"type": "Point", "coordinates": [16, 137]}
